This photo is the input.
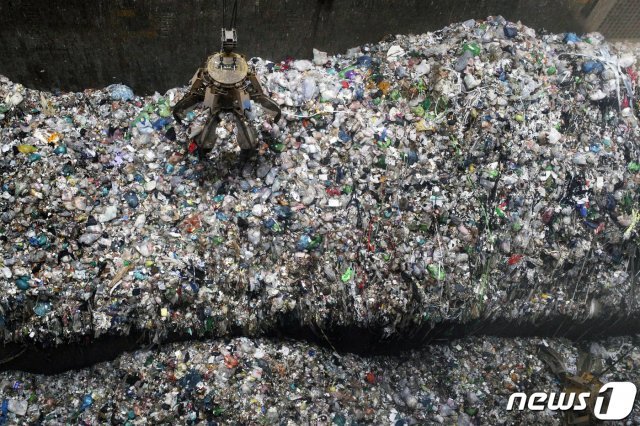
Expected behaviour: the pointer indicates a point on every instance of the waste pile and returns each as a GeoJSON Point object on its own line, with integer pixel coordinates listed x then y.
{"type": "Point", "coordinates": [480, 171]}
{"type": "Point", "coordinates": [243, 381]}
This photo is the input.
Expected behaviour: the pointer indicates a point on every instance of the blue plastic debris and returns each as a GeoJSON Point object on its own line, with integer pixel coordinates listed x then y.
{"type": "Point", "coordinates": [592, 67]}
{"type": "Point", "coordinates": [303, 242]}
{"type": "Point", "coordinates": [120, 92]}
{"type": "Point", "coordinates": [364, 61]}
{"type": "Point", "coordinates": [86, 402]}
{"type": "Point", "coordinates": [160, 123]}
{"type": "Point", "coordinates": [582, 209]}
{"type": "Point", "coordinates": [510, 32]}
{"type": "Point", "coordinates": [42, 308]}
{"type": "Point", "coordinates": [132, 199]}
{"type": "Point", "coordinates": [4, 412]}
{"type": "Point", "coordinates": [571, 38]}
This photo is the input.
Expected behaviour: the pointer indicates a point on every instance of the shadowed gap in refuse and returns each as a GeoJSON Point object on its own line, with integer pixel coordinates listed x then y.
{"type": "Point", "coordinates": [358, 340]}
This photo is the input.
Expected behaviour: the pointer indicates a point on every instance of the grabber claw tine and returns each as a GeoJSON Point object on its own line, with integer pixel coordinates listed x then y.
{"type": "Point", "coordinates": [186, 104]}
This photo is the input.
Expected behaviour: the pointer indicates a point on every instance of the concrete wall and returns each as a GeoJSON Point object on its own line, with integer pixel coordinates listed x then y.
{"type": "Point", "coordinates": [157, 44]}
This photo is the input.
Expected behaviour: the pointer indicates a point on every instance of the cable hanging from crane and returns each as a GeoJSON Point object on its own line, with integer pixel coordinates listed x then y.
{"type": "Point", "coordinates": [234, 13]}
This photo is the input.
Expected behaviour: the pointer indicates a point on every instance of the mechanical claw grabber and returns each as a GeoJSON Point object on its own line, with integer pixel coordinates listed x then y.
{"type": "Point", "coordinates": [226, 84]}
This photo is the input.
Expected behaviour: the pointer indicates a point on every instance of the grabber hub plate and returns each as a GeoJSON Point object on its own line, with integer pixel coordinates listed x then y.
{"type": "Point", "coordinates": [228, 69]}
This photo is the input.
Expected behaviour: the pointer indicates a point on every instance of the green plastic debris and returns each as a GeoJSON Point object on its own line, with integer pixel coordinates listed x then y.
{"type": "Point", "coordinates": [344, 72]}
{"type": "Point", "coordinates": [634, 167]}
{"type": "Point", "coordinates": [148, 361]}
{"type": "Point", "coordinates": [27, 149]}
{"type": "Point", "coordinates": [23, 282]}
{"type": "Point", "coordinates": [473, 48]}
{"type": "Point", "coordinates": [385, 143]}
{"type": "Point", "coordinates": [315, 242]}
{"type": "Point", "coordinates": [143, 116]}
{"type": "Point", "coordinates": [277, 147]}
{"type": "Point", "coordinates": [472, 411]}
{"type": "Point", "coordinates": [162, 107]}
{"type": "Point", "coordinates": [208, 326]}
{"type": "Point", "coordinates": [348, 274]}
{"type": "Point", "coordinates": [418, 110]}
{"type": "Point", "coordinates": [339, 420]}
{"type": "Point", "coordinates": [67, 169]}
{"type": "Point", "coordinates": [436, 272]}
{"type": "Point", "coordinates": [43, 241]}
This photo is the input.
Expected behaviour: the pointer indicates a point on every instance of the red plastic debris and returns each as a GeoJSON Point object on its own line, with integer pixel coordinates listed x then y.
{"type": "Point", "coordinates": [547, 216]}
{"type": "Point", "coordinates": [230, 361]}
{"type": "Point", "coordinates": [370, 378]}
{"type": "Point", "coordinates": [192, 223]}
{"type": "Point", "coordinates": [515, 259]}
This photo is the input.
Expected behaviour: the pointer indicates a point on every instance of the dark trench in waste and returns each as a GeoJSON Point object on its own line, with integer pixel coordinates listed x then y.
{"type": "Point", "coordinates": [39, 359]}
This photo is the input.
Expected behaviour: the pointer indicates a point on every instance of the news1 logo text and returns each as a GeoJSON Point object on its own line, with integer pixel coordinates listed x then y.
{"type": "Point", "coordinates": [623, 395]}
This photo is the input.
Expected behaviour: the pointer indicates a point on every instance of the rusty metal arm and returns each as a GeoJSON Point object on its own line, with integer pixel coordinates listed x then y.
{"type": "Point", "coordinates": [259, 96]}
{"type": "Point", "coordinates": [192, 98]}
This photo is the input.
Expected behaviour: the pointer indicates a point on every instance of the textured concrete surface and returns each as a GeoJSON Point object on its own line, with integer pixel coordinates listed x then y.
{"type": "Point", "coordinates": [157, 44]}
